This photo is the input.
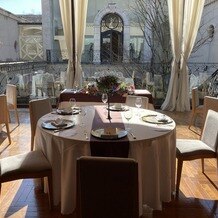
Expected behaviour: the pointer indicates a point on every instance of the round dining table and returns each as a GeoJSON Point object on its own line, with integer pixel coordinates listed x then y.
{"type": "Point", "coordinates": [152, 144]}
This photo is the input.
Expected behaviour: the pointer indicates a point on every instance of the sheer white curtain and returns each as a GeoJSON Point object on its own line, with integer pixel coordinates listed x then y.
{"type": "Point", "coordinates": [74, 71]}
{"type": "Point", "coordinates": [80, 24]}
{"type": "Point", "coordinates": [184, 18]}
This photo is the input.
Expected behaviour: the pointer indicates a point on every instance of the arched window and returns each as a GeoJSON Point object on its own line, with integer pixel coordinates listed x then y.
{"type": "Point", "coordinates": [111, 38]}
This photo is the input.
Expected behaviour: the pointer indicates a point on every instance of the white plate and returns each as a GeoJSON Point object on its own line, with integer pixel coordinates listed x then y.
{"type": "Point", "coordinates": [67, 112]}
{"type": "Point", "coordinates": [99, 133]}
{"type": "Point", "coordinates": [154, 119]}
{"type": "Point", "coordinates": [122, 108]}
{"type": "Point", "coordinates": [48, 124]}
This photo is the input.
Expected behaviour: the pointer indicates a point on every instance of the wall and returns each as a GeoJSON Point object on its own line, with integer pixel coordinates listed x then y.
{"type": "Point", "coordinates": [208, 52]}
{"type": "Point", "coordinates": [9, 36]}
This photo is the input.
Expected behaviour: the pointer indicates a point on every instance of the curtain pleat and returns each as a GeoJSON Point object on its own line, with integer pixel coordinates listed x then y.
{"type": "Point", "coordinates": [74, 70]}
{"type": "Point", "coordinates": [184, 19]}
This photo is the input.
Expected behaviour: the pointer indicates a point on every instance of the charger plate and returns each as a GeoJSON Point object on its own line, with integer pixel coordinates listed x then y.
{"type": "Point", "coordinates": [154, 119]}
{"type": "Point", "coordinates": [99, 133]}
{"type": "Point", "coordinates": [122, 108]}
{"type": "Point", "coordinates": [48, 124]}
{"type": "Point", "coordinates": [68, 112]}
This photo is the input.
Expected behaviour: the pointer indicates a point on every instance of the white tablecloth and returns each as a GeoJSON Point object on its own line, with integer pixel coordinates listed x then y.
{"type": "Point", "coordinates": [154, 150]}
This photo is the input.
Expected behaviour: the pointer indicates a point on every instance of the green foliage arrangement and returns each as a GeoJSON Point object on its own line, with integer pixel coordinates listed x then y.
{"type": "Point", "coordinates": [108, 84]}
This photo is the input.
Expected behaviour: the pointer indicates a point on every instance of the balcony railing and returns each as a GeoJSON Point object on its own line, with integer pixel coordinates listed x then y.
{"type": "Point", "coordinates": [153, 78]}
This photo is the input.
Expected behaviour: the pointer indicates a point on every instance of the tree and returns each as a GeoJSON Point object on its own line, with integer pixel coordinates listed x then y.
{"type": "Point", "coordinates": [152, 17]}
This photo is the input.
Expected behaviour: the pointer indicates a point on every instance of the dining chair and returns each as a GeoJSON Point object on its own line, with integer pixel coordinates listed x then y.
{"type": "Point", "coordinates": [37, 79]}
{"type": "Point", "coordinates": [107, 187]}
{"type": "Point", "coordinates": [28, 165]}
{"type": "Point", "coordinates": [210, 103]}
{"type": "Point", "coordinates": [4, 117]}
{"type": "Point", "coordinates": [38, 108]}
{"type": "Point", "coordinates": [130, 101]}
{"type": "Point", "coordinates": [48, 84]}
{"type": "Point", "coordinates": [11, 93]}
{"type": "Point", "coordinates": [206, 147]}
{"type": "Point", "coordinates": [197, 109]}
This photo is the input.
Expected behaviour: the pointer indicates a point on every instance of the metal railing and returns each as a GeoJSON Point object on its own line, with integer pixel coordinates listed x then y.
{"type": "Point", "coordinates": [203, 75]}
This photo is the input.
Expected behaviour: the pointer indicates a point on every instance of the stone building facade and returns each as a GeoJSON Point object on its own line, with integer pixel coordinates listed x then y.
{"type": "Point", "coordinates": [127, 34]}
{"type": "Point", "coordinates": [20, 37]}
{"type": "Point", "coordinates": [9, 36]}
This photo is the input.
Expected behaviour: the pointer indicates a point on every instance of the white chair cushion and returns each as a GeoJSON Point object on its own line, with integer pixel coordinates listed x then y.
{"type": "Point", "coordinates": [189, 147]}
{"type": "Point", "coordinates": [33, 161]}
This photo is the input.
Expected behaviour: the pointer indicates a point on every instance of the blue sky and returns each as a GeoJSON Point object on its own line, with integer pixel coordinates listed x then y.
{"type": "Point", "coordinates": [22, 6]}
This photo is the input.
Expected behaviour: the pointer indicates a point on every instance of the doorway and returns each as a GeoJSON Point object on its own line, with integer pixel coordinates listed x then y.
{"type": "Point", "coordinates": [111, 38]}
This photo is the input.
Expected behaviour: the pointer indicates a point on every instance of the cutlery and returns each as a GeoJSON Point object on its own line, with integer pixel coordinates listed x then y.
{"type": "Point", "coordinates": [60, 129]}
{"type": "Point", "coordinates": [86, 135]}
{"type": "Point", "coordinates": [134, 137]}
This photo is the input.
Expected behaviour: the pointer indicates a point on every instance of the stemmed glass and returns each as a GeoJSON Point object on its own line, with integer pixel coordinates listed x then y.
{"type": "Point", "coordinates": [138, 103]}
{"type": "Point", "coordinates": [72, 102]}
{"type": "Point", "coordinates": [83, 114]}
{"type": "Point", "coordinates": [76, 85]}
{"type": "Point", "coordinates": [128, 115]}
{"type": "Point", "coordinates": [104, 99]}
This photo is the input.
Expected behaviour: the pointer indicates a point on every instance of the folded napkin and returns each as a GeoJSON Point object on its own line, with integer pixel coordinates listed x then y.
{"type": "Point", "coordinates": [118, 106]}
{"type": "Point", "coordinates": [64, 111]}
{"type": "Point", "coordinates": [109, 133]}
{"type": "Point", "coordinates": [59, 123]}
{"type": "Point", "coordinates": [68, 111]}
{"type": "Point", "coordinates": [162, 119]}
{"type": "Point", "coordinates": [76, 110]}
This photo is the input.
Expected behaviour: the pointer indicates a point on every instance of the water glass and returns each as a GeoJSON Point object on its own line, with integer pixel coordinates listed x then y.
{"type": "Point", "coordinates": [72, 102]}
{"type": "Point", "coordinates": [128, 115]}
{"type": "Point", "coordinates": [83, 114]}
{"type": "Point", "coordinates": [76, 85]}
{"type": "Point", "coordinates": [104, 98]}
{"type": "Point", "coordinates": [138, 103]}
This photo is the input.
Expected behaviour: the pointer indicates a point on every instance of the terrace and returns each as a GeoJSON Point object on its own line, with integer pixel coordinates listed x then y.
{"type": "Point", "coordinates": [195, 199]}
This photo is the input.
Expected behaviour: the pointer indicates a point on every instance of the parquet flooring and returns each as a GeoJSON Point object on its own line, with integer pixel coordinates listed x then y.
{"type": "Point", "coordinates": [198, 192]}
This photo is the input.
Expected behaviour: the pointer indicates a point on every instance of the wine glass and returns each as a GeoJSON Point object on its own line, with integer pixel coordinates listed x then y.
{"type": "Point", "coordinates": [138, 103]}
{"type": "Point", "coordinates": [83, 114]}
{"type": "Point", "coordinates": [104, 98]}
{"type": "Point", "coordinates": [72, 102]}
{"type": "Point", "coordinates": [76, 85]}
{"type": "Point", "coordinates": [128, 115]}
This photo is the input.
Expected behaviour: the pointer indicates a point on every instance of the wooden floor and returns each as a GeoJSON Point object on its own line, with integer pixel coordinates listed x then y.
{"type": "Point", "coordinates": [198, 192]}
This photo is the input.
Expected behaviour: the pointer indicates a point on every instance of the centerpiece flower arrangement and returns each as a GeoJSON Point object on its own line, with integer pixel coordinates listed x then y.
{"type": "Point", "coordinates": [110, 84]}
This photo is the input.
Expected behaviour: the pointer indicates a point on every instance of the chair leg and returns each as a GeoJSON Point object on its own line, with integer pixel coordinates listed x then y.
{"type": "Point", "coordinates": [42, 184]}
{"type": "Point", "coordinates": [50, 190]}
{"type": "Point", "coordinates": [192, 120]}
{"type": "Point", "coordinates": [17, 117]}
{"type": "Point", "coordinates": [9, 117]}
{"type": "Point", "coordinates": [202, 164]}
{"type": "Point", "coordinates": [8, 132]}
{"type": "Point", "coordinates": [32, 143]}
{"type": "Point", "coordinates": [179, 172]}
